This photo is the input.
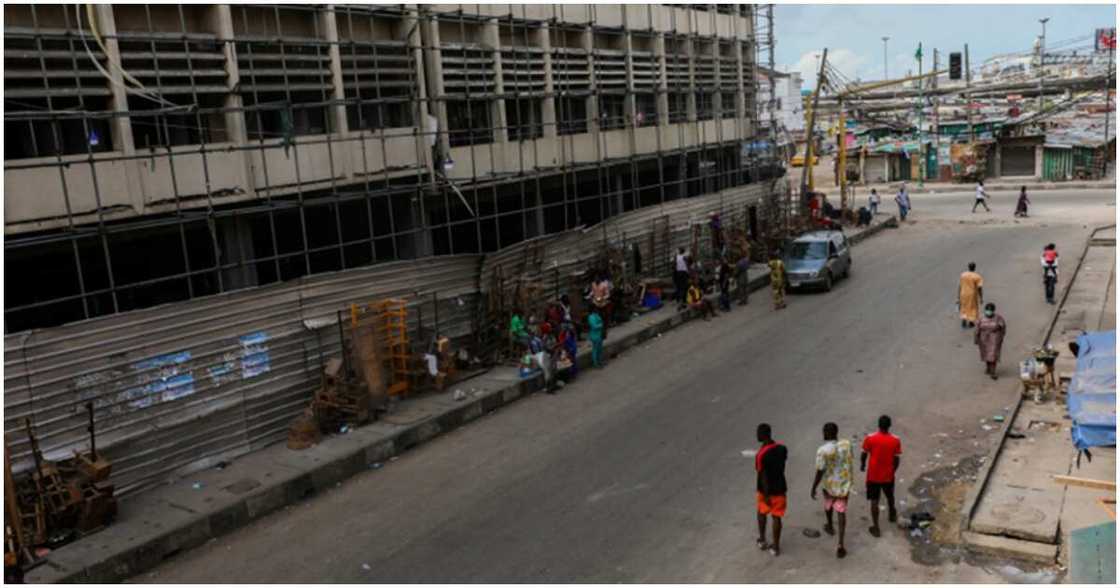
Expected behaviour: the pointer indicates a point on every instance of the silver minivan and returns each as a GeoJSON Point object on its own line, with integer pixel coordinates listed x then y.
{"type": "Point", "coordinates": [817, 259]}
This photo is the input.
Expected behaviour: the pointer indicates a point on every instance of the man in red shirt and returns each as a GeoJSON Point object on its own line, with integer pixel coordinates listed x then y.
{"type": "Point", "coordinates": [884, 450]}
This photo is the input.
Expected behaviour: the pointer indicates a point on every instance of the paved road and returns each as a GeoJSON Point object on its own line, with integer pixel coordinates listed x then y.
{"type": "Point", "coordinates": [635, 473]}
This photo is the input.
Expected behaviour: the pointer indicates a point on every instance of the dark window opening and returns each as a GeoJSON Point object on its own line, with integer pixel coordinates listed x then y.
{"type": "Point", "coordinates": [727, 104]}
{"type": "Point", "coordinates": [468, 122]}
{"type": "Point", "coordinates": [678, 108]}
{"type": "Point", "coordinates": [705, 109]}
{"type": "Point", "coordinates": [206, 124]}
{"type": "Point", "coordinates": [274, 117]}
{"type": "Point", "coordinates": [571, 115]}
{"type": "Point", "coordinates": [44, 136]}
{"type": "Point", "coordinates": [646, 106]}
{"type": "Point", "coordinates": [523, 116]}
{"type": "Point", "coordinates": [377, 114]}
{"type": "Point", "coordinates": [612, 112]}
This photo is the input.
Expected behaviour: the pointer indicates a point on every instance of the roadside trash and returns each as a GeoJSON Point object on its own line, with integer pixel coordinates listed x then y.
{"type": "Point", "coordinates": [197, 485]}
{"type": "Point", "coordinates": [811, 533]}
{"type": "Point", "coordinates": [915, 532]}
{"type": "Point", "coordinates": [987, 427]}
{"type": "Point", "coordinates": [998, 418]}
{"type": "Point", "coordinates": [394, 458]}
{"type": "Point", "coordinates": [1016, 436]}
{"type": "Point", "coordinates": [924, 524]}
{"type": "Point", "coordinates": [344, 429]}
{"type": "Point", "coordinates": [749, 453]}
{"type": "Point", "coordinates": [366, 567]}
{"type": "Point", "coordinates": [221, 465]}
{"type": "Point", "coordinates": [375, 466]}
{"type": "Point", "coordinates": [41, 552]}
{"type": "Point", "coordinates": [917, 518]}
{"type": "Point", "coordinates": [460, 395]}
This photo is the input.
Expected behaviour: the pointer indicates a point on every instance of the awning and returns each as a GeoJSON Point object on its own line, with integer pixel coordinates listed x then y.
{"type": "Point", "coordinates": [1092, 391]}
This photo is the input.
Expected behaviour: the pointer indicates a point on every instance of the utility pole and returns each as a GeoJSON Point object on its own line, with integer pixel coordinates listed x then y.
{"type": "Point", "coordinates": [921, 119]}
{"type": "Point", "coordinates": [885, 39]}
{"type": "Point", "coordinates": [1041, 61]}
{"type": "Point", "coordinates": [968, 96]}
{"type": "Point", "coordinates": [805, 169]}
{"type": "Point", "coordinates": [1108, 101]}
{"type": "Point", "coordinates": [936, 120]}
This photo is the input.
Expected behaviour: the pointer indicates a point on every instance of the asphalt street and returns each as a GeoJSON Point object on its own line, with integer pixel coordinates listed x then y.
{"type": "Point", "coordinates": [635, 473]}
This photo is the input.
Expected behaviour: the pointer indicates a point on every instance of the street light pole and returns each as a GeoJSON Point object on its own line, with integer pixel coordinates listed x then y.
{"type": "Point", "coordinates": [1041, 60]}
{"type": "Point", "coordinates": [885, 39]}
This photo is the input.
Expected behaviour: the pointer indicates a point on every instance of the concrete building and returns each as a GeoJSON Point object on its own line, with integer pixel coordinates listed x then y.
{"type": "Point", "coordinates": [162, 153]}
{"type": "Point", "coordinates": [788, 107]}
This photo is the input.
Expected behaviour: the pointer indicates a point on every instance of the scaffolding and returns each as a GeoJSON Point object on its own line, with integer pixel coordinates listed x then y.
{"type": "Point", "coordinates": [164, 153]}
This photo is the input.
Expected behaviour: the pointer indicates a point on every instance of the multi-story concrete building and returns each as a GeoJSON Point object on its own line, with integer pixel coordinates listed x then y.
{"type": "Point", "coordinates": [156, 153]}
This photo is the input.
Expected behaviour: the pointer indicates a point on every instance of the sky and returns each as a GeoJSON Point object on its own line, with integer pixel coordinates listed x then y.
{"type": "Point", "coordinates": [853, 33]}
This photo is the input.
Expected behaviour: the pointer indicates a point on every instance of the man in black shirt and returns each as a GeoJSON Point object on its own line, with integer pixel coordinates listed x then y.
{"type": "Point", "coordinates": [770, 465]}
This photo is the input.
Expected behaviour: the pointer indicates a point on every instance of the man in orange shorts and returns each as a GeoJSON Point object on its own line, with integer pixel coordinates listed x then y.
{"type": "Point", "coordinates": [770, 464]}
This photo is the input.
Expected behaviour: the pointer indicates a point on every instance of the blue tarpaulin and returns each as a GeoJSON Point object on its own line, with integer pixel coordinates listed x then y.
{"type": "Point", "coordinates": [1092, 391]}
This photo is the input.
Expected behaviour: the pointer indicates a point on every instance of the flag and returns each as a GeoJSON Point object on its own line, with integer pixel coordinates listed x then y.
{"type": "Point", "coordinates": [918, 53]}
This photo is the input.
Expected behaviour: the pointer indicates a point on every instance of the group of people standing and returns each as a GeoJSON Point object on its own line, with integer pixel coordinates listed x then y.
{"type": "Point", "coordinates": [880, 456]}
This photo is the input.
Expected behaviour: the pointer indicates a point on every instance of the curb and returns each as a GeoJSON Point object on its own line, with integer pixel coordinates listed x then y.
{"type": "Point", "coordinates": [947, 188]}
{"type": "Point", "coordinates": [123, 555]}
{"type": "Point", "coordinates": [972, 498]}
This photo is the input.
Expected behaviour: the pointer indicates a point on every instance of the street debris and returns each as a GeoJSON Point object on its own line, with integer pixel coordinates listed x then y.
{"type": "Point", "coordinates": [810, 533]}
{"type": "Point", "coordinates": [998, 418]}
{"type": "Point", "coordinates": [375, 466]}
{"type": "Point", "coordinates": [459, 395]}
{"type": "Point", "coordinates": [197, 485]}
{"type": "Point", "coordinates": [366, 567]}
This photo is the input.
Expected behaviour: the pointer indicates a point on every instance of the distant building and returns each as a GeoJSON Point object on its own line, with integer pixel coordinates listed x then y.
{"type": "Point", "coordinates": [789, 112]}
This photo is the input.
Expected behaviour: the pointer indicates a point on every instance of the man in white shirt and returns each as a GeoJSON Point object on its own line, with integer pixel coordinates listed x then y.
{"type": "Point", "coordinates": [981, 197]}
{"type": "Point", "coordinates": [680, 278]}
{"type": "Point", "coordinates": [873, 202]}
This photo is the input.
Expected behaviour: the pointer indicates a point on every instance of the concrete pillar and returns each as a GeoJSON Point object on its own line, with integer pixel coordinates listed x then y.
{"type": "Point", "coordinates": [118, 102]}
{"type": "Point", "coordinates": [1038, 159]}
{"type": "Point", "coordinates": [420, 110]}
{"type": "Point", "coordinates": [492, 39]}
{"type": "Point", "coordinates": [998, 161]}
{"type": "Point", "coordinates": [235, 237]}
{"type": "Point", "coordinates": [588, 44]}
{"type": "Point", "coordinates": [329, 25]}
{"type": "Point", "coordinates": [433, 64]}
{"type": "Point", "coordinates": [548, 104]}
{"type": "Point", "coordinates": [222, 25]}
{"type": "Point", "coordinates": [662, 81]}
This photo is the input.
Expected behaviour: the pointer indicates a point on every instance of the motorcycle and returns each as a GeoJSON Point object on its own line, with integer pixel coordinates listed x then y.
{"type": "Point", "coordinates": [1050, 280]}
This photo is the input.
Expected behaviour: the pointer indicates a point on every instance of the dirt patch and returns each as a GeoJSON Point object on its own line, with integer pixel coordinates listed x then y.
{"type": "Point", "coordinates": [939, 492]}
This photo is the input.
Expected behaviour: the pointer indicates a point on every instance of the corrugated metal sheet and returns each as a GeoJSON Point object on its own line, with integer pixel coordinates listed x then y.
{"type": "Point", "coordinates": [181, 386]}
{"type": "Point", "coordinates": [548, 261]}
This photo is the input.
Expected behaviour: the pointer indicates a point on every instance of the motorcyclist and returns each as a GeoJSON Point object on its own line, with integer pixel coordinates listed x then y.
{"type": "Point", "coordinates": [1049, 261]}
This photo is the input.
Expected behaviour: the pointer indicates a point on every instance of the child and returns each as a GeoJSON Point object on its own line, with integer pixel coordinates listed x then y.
{"type": "Point", "coordinates": [595, 334]}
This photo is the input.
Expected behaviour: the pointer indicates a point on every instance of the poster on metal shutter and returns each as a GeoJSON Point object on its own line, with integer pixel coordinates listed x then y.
{"type": "Point", "coordinates": [255, 359]}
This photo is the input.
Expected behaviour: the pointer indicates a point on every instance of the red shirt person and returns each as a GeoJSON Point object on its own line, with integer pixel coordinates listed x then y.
{"type": "Point", "coordinates": [880, 459]}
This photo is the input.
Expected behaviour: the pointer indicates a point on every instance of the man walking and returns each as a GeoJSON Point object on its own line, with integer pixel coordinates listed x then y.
{"type": "Point", "coordinates": [835, 467]}
{"type": "Point", "coordinates": [680, 278]}
{"type": "Point", "coordinates": [770, 492]}
{"type": "Point", "coordinates": [981, 197]}
{"type": "Point", "coordinates": [742, 279]}
{"type": "Point", "coordinates": [970, 295]}
{"type": "Point", "coordinates": [873, 202]}
{"type": "Point", "coordinates": [777, 280]}
{"type": "Point", "coordinates": [880, 457]}
{"type": "Point", "coordinates": [903, 201]}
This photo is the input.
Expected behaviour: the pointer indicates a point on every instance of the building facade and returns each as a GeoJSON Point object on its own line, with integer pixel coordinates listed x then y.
{"type": "Point", "coordinates": [164, 153]}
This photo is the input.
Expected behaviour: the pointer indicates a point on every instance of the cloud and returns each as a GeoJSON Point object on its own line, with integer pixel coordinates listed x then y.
{"type": "Point", "coordinates": [848, 62]}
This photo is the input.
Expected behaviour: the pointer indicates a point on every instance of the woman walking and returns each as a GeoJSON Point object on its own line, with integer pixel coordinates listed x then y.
{"type": "Point", "coordinates": [1021, 205]}
{"type": "Point", "coordinates": [990, 331]}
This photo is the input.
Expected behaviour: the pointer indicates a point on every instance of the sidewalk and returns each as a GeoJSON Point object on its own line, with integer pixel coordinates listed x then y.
{"type": "Point", "coordinates": [1016, 509]}
{"type": "Point", "coordinates": [165, 521]}
{"type": "Point", "coordinates": [887, 190]}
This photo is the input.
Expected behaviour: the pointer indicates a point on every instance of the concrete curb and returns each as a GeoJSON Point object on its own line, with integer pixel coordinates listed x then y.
{"type": "Point", "coordinates": [946, 188]}
{"type": "Point", "coordinates": [972, 498]}
{"type": "Point", "coordinates": [120, 552]}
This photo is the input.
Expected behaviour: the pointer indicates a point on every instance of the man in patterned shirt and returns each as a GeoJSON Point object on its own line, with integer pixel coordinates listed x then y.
{"type": "Point", "coordinates": [835, 467]}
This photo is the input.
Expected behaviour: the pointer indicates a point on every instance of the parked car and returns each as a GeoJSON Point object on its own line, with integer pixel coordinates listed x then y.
{"type": "Point", "coordinates": [817, 259]}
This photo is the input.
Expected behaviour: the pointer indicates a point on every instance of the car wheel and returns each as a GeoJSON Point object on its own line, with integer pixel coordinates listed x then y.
{"type": "Point", "coordinates": [828, 282]}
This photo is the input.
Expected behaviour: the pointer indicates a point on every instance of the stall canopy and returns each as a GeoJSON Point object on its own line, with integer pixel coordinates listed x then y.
{"type": "Point", "coordinates": [1092, 391]}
